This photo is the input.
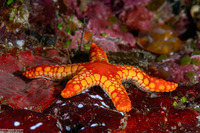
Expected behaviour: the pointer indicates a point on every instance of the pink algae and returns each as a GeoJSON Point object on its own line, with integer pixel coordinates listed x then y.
{"type": "Point", "coordinates": [137, 18]}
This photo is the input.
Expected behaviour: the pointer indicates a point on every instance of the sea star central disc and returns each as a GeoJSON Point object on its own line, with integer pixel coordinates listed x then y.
{"type": "Point", "coordinates": [100, 72]}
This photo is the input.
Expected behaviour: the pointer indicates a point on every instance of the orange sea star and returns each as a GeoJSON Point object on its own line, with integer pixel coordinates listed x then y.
{"type": "Point", "coordinates": [100, 72]}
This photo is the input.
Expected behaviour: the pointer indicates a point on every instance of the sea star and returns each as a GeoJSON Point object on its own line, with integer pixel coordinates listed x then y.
{"type": "Point", "coordinates": [100, 72]}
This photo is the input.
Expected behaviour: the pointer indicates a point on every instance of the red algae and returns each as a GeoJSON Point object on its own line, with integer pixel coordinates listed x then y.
{"type": "Point", "coordinates": [162, 121]}
{"type": "Point", "coordinates": [10, 63]}
{"type": "Point", "coordinates": [13, 120]}
{"type": "Point", "coordinates": [159, 115]}
{"type": "Point", "coordinates": [31, 60]}
{"type": "Point", "coordinates": [34, 95]}
{"type": "Point", "coordinates": [89, 111]}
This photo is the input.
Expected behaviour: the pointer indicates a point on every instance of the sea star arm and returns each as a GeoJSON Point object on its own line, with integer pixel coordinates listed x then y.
{"type": "Point", "coordinates": [82, 81]}
{"type": "Point", "coordinates": [117, 93]}
{"type": "Point", "coordinates": [53, 72]}
{"type": "Point", "coordinates": [144, 81]}
{"type": "Point", "coordinates": [97, 54]}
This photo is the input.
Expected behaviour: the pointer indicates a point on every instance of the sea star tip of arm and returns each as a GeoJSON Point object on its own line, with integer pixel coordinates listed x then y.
{"type": "Point", "coordinates": [124, 106]}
